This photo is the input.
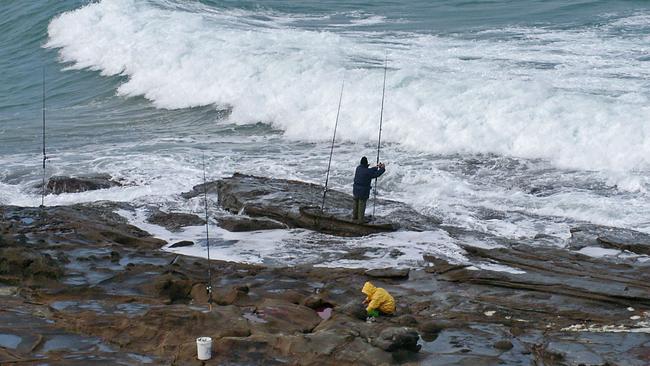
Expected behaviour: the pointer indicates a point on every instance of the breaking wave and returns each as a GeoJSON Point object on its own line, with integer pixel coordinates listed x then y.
{"type": "Point", "coordinates": [576, 97]}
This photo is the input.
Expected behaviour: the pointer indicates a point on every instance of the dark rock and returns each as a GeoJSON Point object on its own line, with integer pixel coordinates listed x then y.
{"type": "Point", "coordinates": [354, 310]}
{"type": "Point", "coordinates": [173, 287]}
{"type": "Point", "coordinates": [184, 243]}
{"type": "Point", "coordinates": [315, 302]}
{"type": "Point", "coordinates": [398, 338]}
{"type": "Point", "coordinates": [241, 224]}
{"type": "Point", "coordinates": [406, 320]}
{"type": "Point", "coordinates": [286, 201]}
{"type": "Point", "coordinates": [199, 293]}
{"type": "Point", "coordinates": [174, 221]}
{"type": "Point", "coordinates": [629, 244]}
{"type": "Point", "coordinates": [556, 271]}
{"type": "Point", "coordinates": [504, 345]}
{"type": "Point", "coordinates": [209, 187]}
{"type": "Point", "coordinates": [237, 295]}
{"type": "Point", "coordinates": [400, 273]}
{"type": "Point", "coordinates": [434, 326]}
{"type": "Point", "coordinates": [64, 184]}
{"type": "Point", "coordinates": [610, 237]}
{"type": "Point", "coordinates": [115, 256]}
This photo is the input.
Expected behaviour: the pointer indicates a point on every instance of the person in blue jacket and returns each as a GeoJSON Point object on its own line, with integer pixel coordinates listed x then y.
{"type": "Point", "coordinates": [363, 177]}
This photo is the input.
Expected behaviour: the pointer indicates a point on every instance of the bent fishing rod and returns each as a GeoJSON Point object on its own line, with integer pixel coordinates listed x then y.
{"type": "Point", "coordinates": [208, 288]}
{"type": "Point", "coordinates": [329, 164]}
{"type": "Point", "coordinates": [381, 120]}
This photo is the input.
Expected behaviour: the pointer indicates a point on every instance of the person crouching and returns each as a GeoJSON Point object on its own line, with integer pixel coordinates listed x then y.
{"type": "Point", "coordinates": [378, 301]}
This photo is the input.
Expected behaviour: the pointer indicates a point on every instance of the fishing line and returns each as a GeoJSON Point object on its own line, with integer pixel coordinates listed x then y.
{"type": "Point", "coordinates": [381, 120]}
{"type": "Point", "coordinates": [208, 288]}
{"type": "Point", "coordinates": [329, 164]}
{"type": "Point", "coordinates": [44, 155]}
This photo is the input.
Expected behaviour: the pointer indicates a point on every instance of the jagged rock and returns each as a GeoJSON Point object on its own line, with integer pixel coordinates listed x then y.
{"type": "Point", "coordinates": [241, 223]}
{"type": "Point", "coordinates": [398, 338]}
{"type": "Point", "coordinates": [174, 221]}
{"type": "Point", "coordinates": [399, 273]}
{"type": "Point", "coordinates": [65, 184]}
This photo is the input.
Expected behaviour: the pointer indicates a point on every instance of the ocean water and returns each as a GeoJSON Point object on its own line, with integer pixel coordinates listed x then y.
{"type": "Point", "coordinates": [511, 118]}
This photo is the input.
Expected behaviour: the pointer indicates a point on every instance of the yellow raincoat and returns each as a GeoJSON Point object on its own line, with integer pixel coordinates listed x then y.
{"type": "Point", "coordinates": [378, 299]}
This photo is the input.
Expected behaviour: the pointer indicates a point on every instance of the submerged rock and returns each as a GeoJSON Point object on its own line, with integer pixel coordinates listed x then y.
{"type": "Point", "coordinates": [174, 221]}
{"type": "Point", "coordinates": [182, 243]}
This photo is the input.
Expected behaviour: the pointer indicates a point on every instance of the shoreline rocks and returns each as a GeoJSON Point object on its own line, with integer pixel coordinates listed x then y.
{"type": "Point", "coordinates": [113, 296]}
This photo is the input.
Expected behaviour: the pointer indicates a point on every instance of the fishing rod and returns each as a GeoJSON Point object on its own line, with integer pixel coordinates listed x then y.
{"type": "Point", "coordinates": [208, 288]}
{"type": "Point", "coordinates": [44, 155]}
{"type": "Point", "coordinates": [329, 164]}
{"type": "Point", "coordinates": [381, 120]}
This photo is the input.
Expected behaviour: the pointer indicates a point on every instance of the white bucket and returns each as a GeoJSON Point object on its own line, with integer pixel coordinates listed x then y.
{"type": "Point", "coordinates": [204, 348]}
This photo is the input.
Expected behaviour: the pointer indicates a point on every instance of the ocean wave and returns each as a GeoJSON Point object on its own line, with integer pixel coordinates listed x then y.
{"type": "Point", "coordinates": [587, 108]}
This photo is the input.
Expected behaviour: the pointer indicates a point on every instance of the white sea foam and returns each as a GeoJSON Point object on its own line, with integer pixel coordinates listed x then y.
{"type": "Point", "coordinates": [574, 97]}
{"type": "Point", "coordinates": [294, 247]}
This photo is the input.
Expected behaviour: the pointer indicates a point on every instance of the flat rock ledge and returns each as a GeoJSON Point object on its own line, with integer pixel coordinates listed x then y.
{"type": "Point", "coordinates": [281, 200]}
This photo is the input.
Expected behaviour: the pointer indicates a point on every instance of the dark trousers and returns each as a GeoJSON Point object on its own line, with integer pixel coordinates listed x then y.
{"type": "Point", "coordinates": [359, 209]}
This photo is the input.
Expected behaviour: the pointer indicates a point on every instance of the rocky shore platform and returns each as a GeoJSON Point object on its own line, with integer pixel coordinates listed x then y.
{"type": "Point", "coordinates": [80, 286]}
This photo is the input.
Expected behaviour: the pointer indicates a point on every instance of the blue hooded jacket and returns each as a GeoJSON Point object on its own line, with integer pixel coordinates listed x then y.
{"type": "Point", "coordinates": [363, 177]}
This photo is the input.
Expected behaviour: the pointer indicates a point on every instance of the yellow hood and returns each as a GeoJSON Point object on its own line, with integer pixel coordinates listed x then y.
{"type": "Point", "coordinates": [368, 289]}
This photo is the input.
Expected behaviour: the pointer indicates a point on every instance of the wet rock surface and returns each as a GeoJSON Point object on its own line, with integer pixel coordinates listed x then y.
{"type": "Point", "coordinates": [242, 223]}
{"type": "Point", "coordinates": [281, 200]}
{"type": "Point", "coordinates": [174, 221]}
{"type": "Point", "coordinates": [79, 286]}
{"type": "Point", "coordinates": [65, 184]}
